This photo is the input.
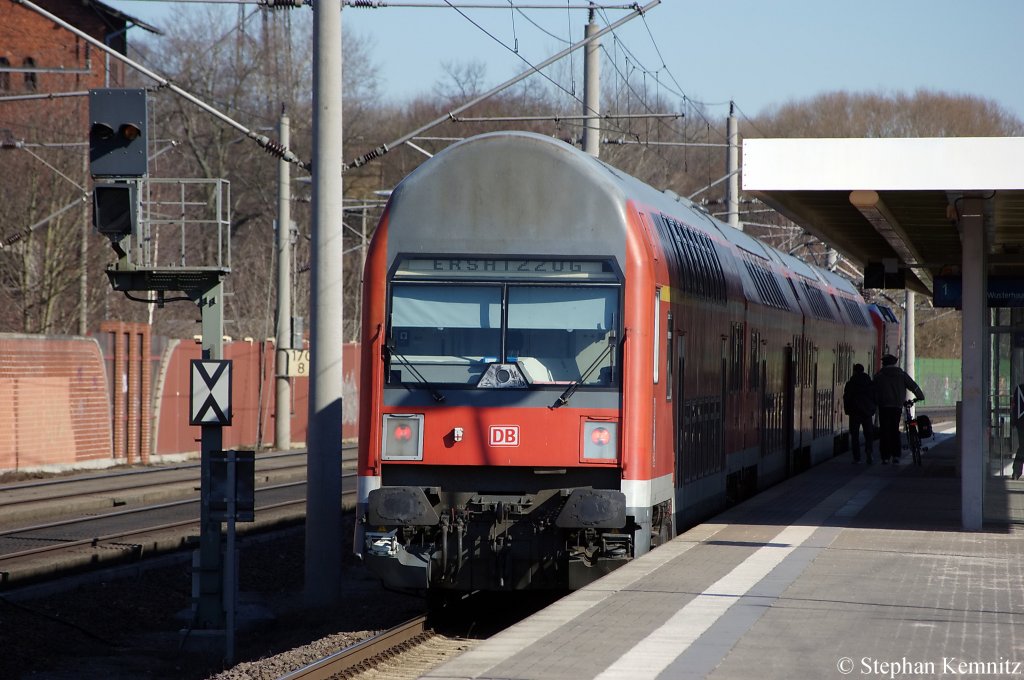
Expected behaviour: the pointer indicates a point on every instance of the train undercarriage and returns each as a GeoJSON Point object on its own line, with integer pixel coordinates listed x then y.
{"type": "Point", "coordinates": [423, 538]}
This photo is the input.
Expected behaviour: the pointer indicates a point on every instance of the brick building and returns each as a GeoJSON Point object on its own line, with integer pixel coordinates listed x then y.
{"type": "Point", "coordinates": [38, 57]}
{"type": "Point", "coordinates": [45, 74]}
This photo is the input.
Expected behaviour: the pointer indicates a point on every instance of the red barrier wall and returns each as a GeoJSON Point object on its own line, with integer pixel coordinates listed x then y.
{"type": "Point", "coordinates": [93, 402]}
{"type": "Point", "coordinates": [127, 352]}
{"type": "Point", "coordinates": [54, 402]}
{"type": "Point", "coordinates": [253, 398]}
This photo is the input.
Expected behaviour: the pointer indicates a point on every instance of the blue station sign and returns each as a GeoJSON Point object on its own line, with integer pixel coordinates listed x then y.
{"type": "Point", "coordinates": [1002, 292]}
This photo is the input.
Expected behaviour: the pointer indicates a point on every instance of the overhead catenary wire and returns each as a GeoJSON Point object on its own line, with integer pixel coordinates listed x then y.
{"type": "Point", "coordinates": [559, 117]}
{"type": "Point", "coordinates": [571, 92]}
{"type": "Point", "coordinates": [385, 148]}
{"type": "Point", "coordinates": [374, 4]}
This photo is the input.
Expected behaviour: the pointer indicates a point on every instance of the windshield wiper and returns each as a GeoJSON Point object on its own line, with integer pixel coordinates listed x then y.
{"type": "Point", "coordinates": [389, 347]}
{"type": "Point", "coordinates": [571, 389]}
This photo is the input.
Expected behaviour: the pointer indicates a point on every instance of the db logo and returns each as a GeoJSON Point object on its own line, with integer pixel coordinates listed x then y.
{"type": "Point", "coordinates": [504, 435]}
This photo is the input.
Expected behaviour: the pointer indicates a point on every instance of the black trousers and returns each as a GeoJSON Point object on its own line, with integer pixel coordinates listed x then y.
{"type": "Point", "coordinates": [889, 436]}
{"type": "Point", "coordinates": [861, 422]}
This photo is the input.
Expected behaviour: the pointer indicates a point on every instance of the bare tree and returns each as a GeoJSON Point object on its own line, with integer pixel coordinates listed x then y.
{"type": "Point", "coordinates": [41, 222]}
{"type": "Point", "coordinates": [251, 71]}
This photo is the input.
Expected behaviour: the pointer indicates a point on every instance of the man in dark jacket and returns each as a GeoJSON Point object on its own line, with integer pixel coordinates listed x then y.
{"type": "Point", "coordinates": [891, 385]}
{"type": "Point", "coordinates": [859, 404]}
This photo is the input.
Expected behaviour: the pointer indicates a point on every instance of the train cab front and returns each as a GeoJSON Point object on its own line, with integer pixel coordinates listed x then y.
{"type": "Point", "coordinates": [491, 459]}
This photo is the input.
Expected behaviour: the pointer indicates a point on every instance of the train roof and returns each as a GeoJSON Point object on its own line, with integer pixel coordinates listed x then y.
{"type": "Point", "coordinates": [577, 187]}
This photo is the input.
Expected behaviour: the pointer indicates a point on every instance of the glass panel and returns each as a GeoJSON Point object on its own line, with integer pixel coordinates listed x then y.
{"type": "Point", "coordinates": [444, 334]}
{"type": "Point", "coordinates": [1005, 454]}
{"type": "Point", "coordinates": [560, 334]}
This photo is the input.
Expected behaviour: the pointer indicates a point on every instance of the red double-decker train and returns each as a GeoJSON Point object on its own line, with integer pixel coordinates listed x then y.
{"type": "Point", "coordinates": [563, 367]}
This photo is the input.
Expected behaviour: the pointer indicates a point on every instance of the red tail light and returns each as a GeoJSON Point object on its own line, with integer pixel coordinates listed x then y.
{"type": "Point", "coordinates": [600, 440]}
{"type": "Point", "coordinates": [403, 437]}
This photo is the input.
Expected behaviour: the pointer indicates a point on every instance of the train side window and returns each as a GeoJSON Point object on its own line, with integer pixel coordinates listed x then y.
{"type": "Point", "coordinates": [657, 333]}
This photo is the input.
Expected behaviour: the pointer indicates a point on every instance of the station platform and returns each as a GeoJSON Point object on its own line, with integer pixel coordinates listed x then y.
{"type": "Point", "coordinates": [844, 570]}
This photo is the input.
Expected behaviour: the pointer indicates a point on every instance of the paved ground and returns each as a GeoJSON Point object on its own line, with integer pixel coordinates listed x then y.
{"type": "Point", "coordinates": [845, 570]}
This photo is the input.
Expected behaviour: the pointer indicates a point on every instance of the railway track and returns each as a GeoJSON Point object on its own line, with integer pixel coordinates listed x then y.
{"type": "Point", "coordinates": [67, 525]}
{"type": "Point", "coordinates": [84, 493]}
{"type": "Point", "coordinates": [405, 651]}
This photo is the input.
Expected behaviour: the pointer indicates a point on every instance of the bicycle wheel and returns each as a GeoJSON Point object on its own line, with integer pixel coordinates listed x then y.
{"type": "Point", "coordinates": [914, 441]}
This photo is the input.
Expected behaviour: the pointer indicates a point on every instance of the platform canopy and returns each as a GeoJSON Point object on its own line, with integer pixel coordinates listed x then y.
{"type": "Point", "coordinates": [885, 200]}
{"type": "Point", "coordinates": [949, 207]}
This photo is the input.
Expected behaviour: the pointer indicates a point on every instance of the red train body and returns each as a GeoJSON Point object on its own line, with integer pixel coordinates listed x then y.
{"type": "Point", "coordinates": [563, 367]}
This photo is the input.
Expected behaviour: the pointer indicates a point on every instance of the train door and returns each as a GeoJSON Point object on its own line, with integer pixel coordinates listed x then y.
{"type": "Point", "coordinates": [818, 416]}
{"type": "Point", "coordinates": [757, 391]}
{"type": "Point", "coordinates": [789, 405]}
{"type": "Point", "coordinates": [680, 416]}
{"type": "Point", "coordinates": [724, 401]}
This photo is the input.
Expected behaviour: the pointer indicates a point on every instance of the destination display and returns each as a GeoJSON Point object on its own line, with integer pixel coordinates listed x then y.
{"type": "Point", "coordinates": [447, 267]}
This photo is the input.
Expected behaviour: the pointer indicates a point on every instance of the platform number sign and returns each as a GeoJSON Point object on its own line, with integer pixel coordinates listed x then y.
{"type": "Point", "coordinates": [210, 392]}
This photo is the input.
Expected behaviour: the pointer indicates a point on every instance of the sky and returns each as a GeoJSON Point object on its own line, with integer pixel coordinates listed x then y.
{"type": "Point", "coordinates": [758, 53]}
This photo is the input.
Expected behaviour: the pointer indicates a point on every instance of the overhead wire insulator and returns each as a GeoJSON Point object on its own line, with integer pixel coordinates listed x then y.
{"type": "Point", "coordinates": [281, 4]}
{"type": "Point", "coordinates": [12, 239]}
{"type": "Point", "coordinates": [366, 158]}
{"type": "Point", "coordinates": [279, 150]}
{"type": "Point", "coordinates": [370, 4]}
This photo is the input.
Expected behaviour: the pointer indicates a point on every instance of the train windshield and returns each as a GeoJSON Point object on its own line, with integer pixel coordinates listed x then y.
{"type": "Point", "coordinates": [450, 334]}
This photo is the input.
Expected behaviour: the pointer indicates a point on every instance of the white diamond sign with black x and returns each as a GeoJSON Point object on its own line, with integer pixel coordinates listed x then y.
{"type": "Point", "coordinates": [210, 400]}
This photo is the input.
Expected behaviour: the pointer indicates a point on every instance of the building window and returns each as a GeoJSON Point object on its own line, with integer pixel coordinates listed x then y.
{"type": "Point", "coordinates": [5, 76]}
{"type": "Point", "coordinates": [31, 82]}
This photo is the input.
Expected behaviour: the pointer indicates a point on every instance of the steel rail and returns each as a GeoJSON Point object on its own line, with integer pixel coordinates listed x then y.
{"type": "Point", "coordinates": [124, 473]}
{"type": "Point", "coordinates": [96, 540]}
{"type": "Point", "coordinates": [130, 511]}
{"type": "Point", "coordinates": [154, 484]}
{"type": "Point", "coordinates": [406, 634]}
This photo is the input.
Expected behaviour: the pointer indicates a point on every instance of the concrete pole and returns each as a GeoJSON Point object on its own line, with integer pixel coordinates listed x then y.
{"type": "Point", "coordinates": [323, 463]}
{"type": "Point", "coordinates": [283, 393]}
{"type": "Point", "coordinates": [732, 194]}
{"type": "Point", "coordinates": [909, 323]}
{"type": "Point", "coordinates": [592, 90]}
{"type": "Point", "coordinates": [363, 246]}
{"type": "Point", "coordinates": [83, 254]}
{"type": "Point", "coordinates": [974, 413]}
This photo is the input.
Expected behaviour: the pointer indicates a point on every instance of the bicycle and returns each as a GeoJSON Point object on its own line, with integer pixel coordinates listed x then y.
{"type": "Point", "coordinates": [911, 431]}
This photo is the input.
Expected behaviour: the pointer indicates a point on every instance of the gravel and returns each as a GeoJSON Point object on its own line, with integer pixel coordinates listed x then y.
{"type": "Point", "coordinates": [132, 627]}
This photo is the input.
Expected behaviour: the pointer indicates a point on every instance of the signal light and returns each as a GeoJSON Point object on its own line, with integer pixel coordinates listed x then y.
{"type": "Point", "coordinates": [403, 433]}
{"type": "Point", "coordinates": [129, 131]}
{"type": "Point", "coordinates": [115, 209]}
{"type": "Point", "coordinates": [101, 131]}
{"type": "Point", "coordinates": [117, 133]}
{"type": "Point", "coordinates": [600, 440]}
